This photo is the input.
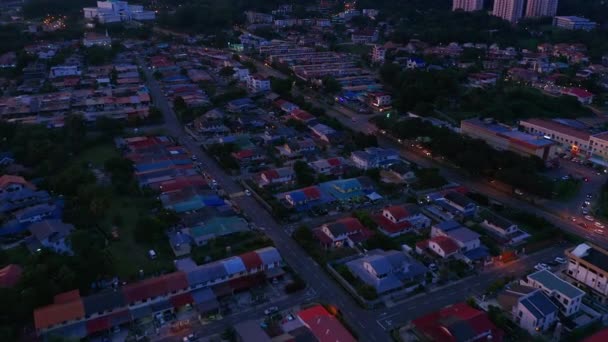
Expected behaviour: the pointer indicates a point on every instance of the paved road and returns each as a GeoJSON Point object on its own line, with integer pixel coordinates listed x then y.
{"type": "Point", "coordinates": [363, 322]}
{"type": "Point", "coordinates": [474, 286]}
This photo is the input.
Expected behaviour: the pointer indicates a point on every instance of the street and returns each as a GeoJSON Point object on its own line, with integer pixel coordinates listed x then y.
{"type": "Point", "coordinates": [291, 252]}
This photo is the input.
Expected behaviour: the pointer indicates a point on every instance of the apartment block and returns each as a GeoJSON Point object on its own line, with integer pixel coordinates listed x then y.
{"type": "Point", "coordinates": [588, 266]}
{"type": "Point", "coordinates": [467, 5]}
{"type": "Point", "coordinates": [541, 8]}
{"type": "Point", "coordinates": [574, 23]}
{"type": "Point", "coordinates": [509, 10]}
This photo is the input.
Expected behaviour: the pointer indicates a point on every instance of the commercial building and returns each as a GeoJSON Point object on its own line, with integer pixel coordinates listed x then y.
{"type": "Point", "coordinates": [117, 11]}
{"type": "Point", "coordinates": [569, 139]}
{"type": "Point", "coordinates": [574, 23]}
{"type": "Point", "coordinates": [541, 8]}
{"type": "Point", "coordinates": [566, 295]}
{"type": "Point", "coordinates": [509, 10]}
{"type": "Point", "coordinates": [467, 5]}
{"type": "Point", "coordinates": [502, 137]}
{"type": "Point", "coordinates": [588, 266]}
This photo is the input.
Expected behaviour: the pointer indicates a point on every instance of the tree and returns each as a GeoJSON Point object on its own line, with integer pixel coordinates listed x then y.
{"type": "Point", "coordinates": [304, 174]}
{"type": "Point", "coordinates": [149, 230]}
{"type": "Point", "coordinates": [281, 86]}
{"type": "Point", "coordinates": [331, 85]}
{"type": "Point", "coordinates": [226, 71]}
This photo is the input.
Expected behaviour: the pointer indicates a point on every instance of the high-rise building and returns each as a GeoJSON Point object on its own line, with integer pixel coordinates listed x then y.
{"type": "Point", "coordinates": [510, 10]}
{"type": "Point", "coordinates": [541, 8]}
{"type": "Point", "coordinates": [467, 5]}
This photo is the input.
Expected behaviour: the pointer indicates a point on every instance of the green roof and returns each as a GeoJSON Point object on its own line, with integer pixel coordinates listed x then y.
{"type": "Point", "coordinates": [219, 226]}
{"type": "Point", "coordinates": [554, 283]}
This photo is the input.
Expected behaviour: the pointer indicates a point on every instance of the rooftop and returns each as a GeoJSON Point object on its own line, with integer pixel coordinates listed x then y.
{"type": "Point", "coordinates": [557, 127]}
{"type": "Point", "coordinates": [539, 304]}
{"type": "Point", "coordinates": [592, 254]}
{"type": "Point", "coordinates": [509, 133]}
{"type": "Point", "coordinates": [554, 283]}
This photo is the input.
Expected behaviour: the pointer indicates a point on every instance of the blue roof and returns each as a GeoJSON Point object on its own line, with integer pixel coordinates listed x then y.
{"type": "Point", "coordinates": [213, 201]}
{"type": "Point", "coordinates": [297, 196]}
{"type": "Point", "coordinates": [539, 305]}
{"type": "Point", "coordinates": [241, 102]}
{"type": "Point", "coordinates": [478, 253]}
{"type": "Point", "coordinates": [446, 226]}
{"type": "Point", "coordinates": [234, 265]}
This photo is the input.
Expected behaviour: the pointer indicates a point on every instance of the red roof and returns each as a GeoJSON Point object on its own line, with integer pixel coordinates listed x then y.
{"type": "Point", "coordinates": [438, 326]}
{"type": "Point", "coordinates": [399, 212]}
{"type": "Point", "coordinates": [6, 180]}
{"type": "Point", "coordinates": [10, 275]}
{"type": "Point", "coordinates": [67, 297]}
{"type": "Point", "coordinates": [389, 226]}
{"type": "Point", "coordinates": [600, 336]}
{"type": "Point", "coordinates": [301, 115]}
{"type": "Point", "coordinates": [98, 324]}
{"type": "Point", "coordinates": [181, 300]}
{"type": "Point", "coordinates": [57, 313]}
{"type": "Point", "coordinates": [271, 174]}
{"type": "Point", "coordinates": [334, 162]}
{"type": "Point", "coordinates": [243, 154]}
{"type": "Point", "coordinates": [312, 192]}
{"type": "Point", "coordinates": [251, 260]}
{"type": "Point", "coordinates": [446, 244]}
{"type": "Point", "coordinates": [181, 183]}
{"type": "Point", "coordinates": [352, 223]}
{"type": "Point", "coordinates": [324, 326]}
{"type": "Point", "coordinates": [155, 287]}
{"type": "Point", "coordinates": [578, 92]}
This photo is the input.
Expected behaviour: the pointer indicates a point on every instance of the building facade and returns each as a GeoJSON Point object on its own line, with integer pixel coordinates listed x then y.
{"type": "Point", "coordinates": [502, 137]}
{"type": "Point", "coordinates": [574, 23]}
{"type": "Point", "coordinates": [588, 266]}
{"type": "Point", "coordinates": [467, 5]}
{"type": "Point", "coordinates": [541, 8]}
{"type": "Point", "coordinates": [509, 10]}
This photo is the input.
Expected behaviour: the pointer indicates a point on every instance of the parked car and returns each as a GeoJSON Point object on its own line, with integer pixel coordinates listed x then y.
{"type": "Point", "coordinates": [247, 193]}
{"type": "Point", "coordinates": [560, 260]}
{"type": "Point", "coordinates": [271, 310]}
{"type": "Point", "coordinates": [589, 218]}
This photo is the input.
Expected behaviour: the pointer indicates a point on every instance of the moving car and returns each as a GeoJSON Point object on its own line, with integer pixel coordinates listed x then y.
{"type": "Point", "coordinates": [599, 225]}
{"type": "Point", "coordinates": [589, 218]}
{"type": "Point", "coordinates": [247, 193]}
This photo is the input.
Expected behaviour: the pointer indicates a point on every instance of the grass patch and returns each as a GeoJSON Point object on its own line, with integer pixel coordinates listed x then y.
{"type": "Point", "coordinates": [130, 256]}
{"type": "Point", "coordinates": [97, 155]}
{"type": "Point", "coordinates": [566, 189]}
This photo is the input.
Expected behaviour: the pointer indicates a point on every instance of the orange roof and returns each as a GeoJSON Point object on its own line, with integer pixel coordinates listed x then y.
{"type": "Point", "coordinates": [67, 297]}
{"type": "Point", "coordinates": [10, 179]}
{"type": "Point", "coordinates": [57, 313]}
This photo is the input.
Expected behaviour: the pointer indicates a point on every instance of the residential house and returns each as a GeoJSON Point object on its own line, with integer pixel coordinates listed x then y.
{"type": "Point", "coordinates": [325, 133]}
{"type": "Point", "coordinates": [588, 267]}
{"type": "Point", "coordinates": [95, 39]}
{"type": "Point", "coordinates": [258, 83]}
{"type": "Point", "coordinates": [374, 157]}
{"type": "Point", "coordinates": [443, 246]}
{"type": "Point", "coordinates": [399, 173]}
{"type": "Point", "coordinates": [324, 326]}
{"type": "Point", "coordinates": [457, 322]}
{"type": "Point", "coordinates": [301, 115]}
{"type": "Point", "coordinates": [216, 227]}
{"type": "Point", "coordinates": [582, 95]}
{"type": "Point", "coordinates": [286, 106]}
{"type": "Point", "coordinates": [535, 312]}
{"type": "Point", "coordinates": [304, 198]}
{"type": "Point", "coordinates": [346, 231]}
{"type": "Point", "coordinates": [386, 271]}
{"type": "Point", "coordinates": [10, 183]}
{"type": "Point", "coordinates": [248, 156]}
{"type": "Point", "coordinates": [415, 63]}
{"type": "Point", "coordinates": [566, 295]}
{"type": "Point", "coordinates": [297, 148]}
{"type": "Point", "coordinates": [502, 228]}
{"type": "Point", "coordinates": [51, 234]}
{"type": "Point", "coordinates": [399, 219]}
{"type": "Point", "coordinates": [380, 100]}
{"type": "Point", "coordinates": [470, 247]}
{"type": "Point", "coordinates": [332, 166]}
{"type": "Point", "coordinates": [278, 176]}
{"type": "Point", "coordinates": [463, 204]}
{"type": "Point", "coordinates": [366, 36]}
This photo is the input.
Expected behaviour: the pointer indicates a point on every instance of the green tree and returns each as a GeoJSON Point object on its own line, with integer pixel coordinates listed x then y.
{"type": "Point", "coordinates": [331, 85]}
{"type": "Point", "coordinates": [304, 174]}
{"type": "Point", "coordinates": [226, 71]}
